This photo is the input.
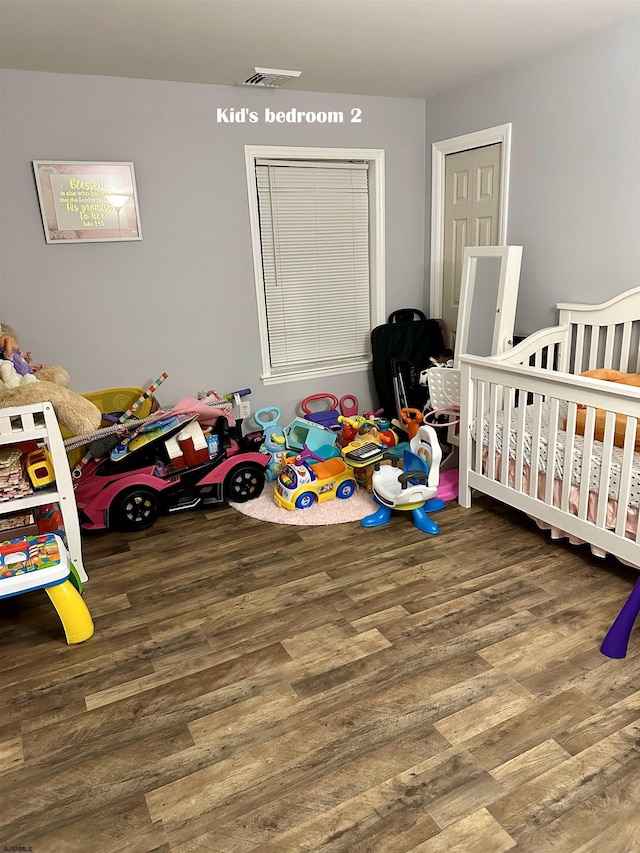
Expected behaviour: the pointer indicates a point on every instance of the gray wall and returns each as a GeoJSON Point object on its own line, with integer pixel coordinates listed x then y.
{"type": "Point", "coordinates": [183, 298]}
{"type": "Point", "coordinates": [575, 172]}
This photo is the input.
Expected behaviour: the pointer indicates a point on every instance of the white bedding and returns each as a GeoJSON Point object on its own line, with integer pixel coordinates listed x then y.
{"type": "Point", "coordinates": [577, 456]}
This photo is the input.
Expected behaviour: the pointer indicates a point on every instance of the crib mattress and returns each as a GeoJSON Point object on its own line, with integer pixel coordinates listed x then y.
{"type": "Point", "coordinates": [577, 462]}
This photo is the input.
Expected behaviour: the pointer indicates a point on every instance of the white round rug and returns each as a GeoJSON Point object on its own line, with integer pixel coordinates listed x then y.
{"type": "Point", "coordinates": [334, 511]}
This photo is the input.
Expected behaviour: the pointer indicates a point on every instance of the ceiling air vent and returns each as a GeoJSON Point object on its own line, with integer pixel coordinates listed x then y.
{"type": "Point", "coordinates": [270, 78]}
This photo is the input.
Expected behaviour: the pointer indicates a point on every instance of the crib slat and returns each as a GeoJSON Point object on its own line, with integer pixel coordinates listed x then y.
{"type": "Point", "coordinates": [585, 475]}
{"type": "Point", "coordinates": [568, 456]}
{"type": "Point", "coordinates": [536, 450]}
{"type": "Point", "coordinates": [552, 444]}
{"type": "Point", "coordinates": [577, 365]}
{"type": "Point", "coordinates": [610, 338]}
{"type": "Point", "coordinates": [519, 461]}
{"type": "Point", "coordinates": [506, 434]}
{"type": "Point", "coordinates": [479, 419]}
{"type": "Point", "coordinates": [593, 347]}
{"type": "Point", "coordinates": [625, 347]}
{"type": "Point", "coordinates": [605, 469]}
{"type": "Point", "coordinates": [624, 492]}
{"type": "Point", "coordinates": [493, 429]}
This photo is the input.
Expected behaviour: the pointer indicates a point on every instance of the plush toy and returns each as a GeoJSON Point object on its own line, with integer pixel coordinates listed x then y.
{"type": "Point", "coordinates": [18, 360]}
{"type": "Point", "coordinates": [42, 383]}
{"type": "Point", "coordinates": [621, 422]}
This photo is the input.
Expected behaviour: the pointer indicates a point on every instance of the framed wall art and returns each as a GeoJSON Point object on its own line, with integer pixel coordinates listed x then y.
{"type": "Point", "coordinates": [87, 202]}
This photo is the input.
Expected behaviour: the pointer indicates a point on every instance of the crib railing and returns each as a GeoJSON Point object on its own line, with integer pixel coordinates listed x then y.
{"type": "Point", "coordinates": [494, 391]}
{"type": "Point", "coordinates": [543, 349]}
{"type": "Point", "coordinates": [603, 335]}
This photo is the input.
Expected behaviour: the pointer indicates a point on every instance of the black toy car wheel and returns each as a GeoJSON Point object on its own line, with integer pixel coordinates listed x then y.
{"type": "Point", "coordinates": [244, 482]}
{"type": "Point", "coordinates": [134, 510]}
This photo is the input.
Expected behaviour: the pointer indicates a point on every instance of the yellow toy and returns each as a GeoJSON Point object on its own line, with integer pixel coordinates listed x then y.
{"type": "Point", "coordinates": [41, 562]}
{"type": "Point", "coordinates": [309, 478]}
{"type": "Point", "coordinates": [72, 610]}
{"type": "Point", "coordinates": [40, 468]}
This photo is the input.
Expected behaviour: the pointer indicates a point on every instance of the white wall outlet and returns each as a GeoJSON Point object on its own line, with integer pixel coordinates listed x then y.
{"type": "Point", "coordinates": [244, 410]}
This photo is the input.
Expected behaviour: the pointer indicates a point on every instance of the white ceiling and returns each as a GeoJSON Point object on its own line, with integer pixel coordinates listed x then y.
{"type": "Point", "coordinates": [402, 48]}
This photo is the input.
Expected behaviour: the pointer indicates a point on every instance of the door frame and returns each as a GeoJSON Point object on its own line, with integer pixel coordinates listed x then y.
{"type": "Point", "coordinates": [439, 150]}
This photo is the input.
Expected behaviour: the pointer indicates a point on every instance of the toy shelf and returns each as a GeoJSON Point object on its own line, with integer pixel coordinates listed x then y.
{"type": "Point", "coordinates": [38, 422]}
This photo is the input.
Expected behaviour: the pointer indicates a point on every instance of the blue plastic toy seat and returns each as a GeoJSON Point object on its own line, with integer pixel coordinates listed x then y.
{"type": "Point", "coordinates": [412, 489]}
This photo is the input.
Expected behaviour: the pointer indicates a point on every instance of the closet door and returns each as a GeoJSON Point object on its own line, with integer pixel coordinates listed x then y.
{"type": "Point", "coordinates": [472, 212]}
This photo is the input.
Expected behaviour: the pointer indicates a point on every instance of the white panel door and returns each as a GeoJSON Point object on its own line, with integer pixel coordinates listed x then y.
{"type": "Point", "coordinates": [471, 213]}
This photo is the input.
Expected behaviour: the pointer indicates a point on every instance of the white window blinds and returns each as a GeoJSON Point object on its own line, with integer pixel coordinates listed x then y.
{"type": "Point", "coordinates": [314, 227]}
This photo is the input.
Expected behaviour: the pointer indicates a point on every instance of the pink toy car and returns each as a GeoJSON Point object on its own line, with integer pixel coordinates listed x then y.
{"type": "Point", "coordinates": [139, 482]}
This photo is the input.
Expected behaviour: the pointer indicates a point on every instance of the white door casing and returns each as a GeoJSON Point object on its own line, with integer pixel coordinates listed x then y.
{"type": "Point", "coordinates": [439, 151]}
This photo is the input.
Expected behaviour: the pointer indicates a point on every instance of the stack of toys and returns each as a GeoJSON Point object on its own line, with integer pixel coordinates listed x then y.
{"type": "Point", "coordinates": [14, 482]}
{"type": "Point", "coordinates": [21, 523]}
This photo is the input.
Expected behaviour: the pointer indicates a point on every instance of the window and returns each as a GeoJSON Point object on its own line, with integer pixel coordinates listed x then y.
{"type": "Point", "coordinates": [317, 231]}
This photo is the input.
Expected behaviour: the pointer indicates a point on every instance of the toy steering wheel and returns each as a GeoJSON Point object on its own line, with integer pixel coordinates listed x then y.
{"type": "Point", "coordinates": [272, 422]}
{"type": "Point", "coordinates": [306, 454]}
{"type": "Point", "coordinates": [333, 403]}
{"type": "Point", "coordinates": [412, 418]}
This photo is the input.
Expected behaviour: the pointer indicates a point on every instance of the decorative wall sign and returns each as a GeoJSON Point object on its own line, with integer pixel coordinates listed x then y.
{"type": "Point", "coordinates": [87, 202]}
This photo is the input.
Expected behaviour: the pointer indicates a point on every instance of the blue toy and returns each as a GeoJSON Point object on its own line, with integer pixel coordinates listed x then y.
{"type": "Point", "coordinates": [413, 489]}
{"type": "Point", "coordinates": [274, 444]}
{"type": "Point", "coordinates": [301, 431]}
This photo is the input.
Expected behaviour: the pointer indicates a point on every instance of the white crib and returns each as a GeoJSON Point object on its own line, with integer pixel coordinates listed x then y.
{"type": "Point", "coordinates": [524, 405]}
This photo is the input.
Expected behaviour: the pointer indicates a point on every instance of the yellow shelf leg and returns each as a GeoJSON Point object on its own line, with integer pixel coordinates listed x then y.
{"type": "Point", "coordinates": [73, 612]}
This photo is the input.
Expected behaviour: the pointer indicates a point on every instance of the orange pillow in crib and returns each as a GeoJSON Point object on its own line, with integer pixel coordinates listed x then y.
{"type": "Point", "coordinates": [621, 421]}
{"type": "Point", "coordinates": [614, 376]}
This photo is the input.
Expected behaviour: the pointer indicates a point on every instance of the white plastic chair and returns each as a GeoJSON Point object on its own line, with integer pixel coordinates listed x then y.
{"type": "Point", "coordinates": [412, 488]}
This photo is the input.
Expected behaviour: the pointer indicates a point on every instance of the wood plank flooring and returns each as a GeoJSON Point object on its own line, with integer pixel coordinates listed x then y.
{"type": "Point", "coordinates": [283, 688]}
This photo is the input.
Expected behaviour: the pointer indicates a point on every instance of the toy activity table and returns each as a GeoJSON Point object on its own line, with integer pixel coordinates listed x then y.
{"type": "Point", "coordinates": [42, 562]}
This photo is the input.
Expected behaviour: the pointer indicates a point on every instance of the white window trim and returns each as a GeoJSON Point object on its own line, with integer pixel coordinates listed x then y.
{"type": "Point", "coordinates": [375, 159]}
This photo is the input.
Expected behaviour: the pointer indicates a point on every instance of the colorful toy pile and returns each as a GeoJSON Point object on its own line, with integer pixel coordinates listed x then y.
{"type": "Point", "coordinates": [323, 454]}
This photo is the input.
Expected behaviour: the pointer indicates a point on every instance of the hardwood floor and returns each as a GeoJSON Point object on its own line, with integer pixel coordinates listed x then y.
{"type": "Point", "coordinates": [275, 688]}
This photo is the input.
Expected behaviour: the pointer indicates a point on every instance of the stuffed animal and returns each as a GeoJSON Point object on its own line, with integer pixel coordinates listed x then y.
{"type": "Point", "coordinates": [18, 360]}
{"type": "Point", "coordinates": [42, 383]}
{"type": "Point", "coordinates": [621, 422]}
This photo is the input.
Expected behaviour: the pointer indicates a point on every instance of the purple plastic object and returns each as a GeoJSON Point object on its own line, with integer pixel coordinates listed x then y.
{"type": "Point", "coordinates": [616, 642]}
{"type": "Point", "coordinates": [20, 363]}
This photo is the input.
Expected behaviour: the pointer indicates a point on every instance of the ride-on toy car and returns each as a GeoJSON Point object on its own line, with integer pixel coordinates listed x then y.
{"type": "Point", "coordinates": [143, 477]}
{"type": "Point", "coordinates": [302, 482]}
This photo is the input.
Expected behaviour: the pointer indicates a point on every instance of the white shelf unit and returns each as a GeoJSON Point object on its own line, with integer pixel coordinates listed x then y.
{"type": "Point", "coordinates": [38, 422]}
